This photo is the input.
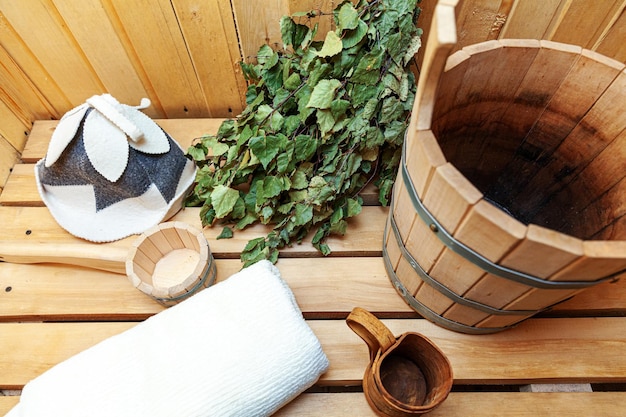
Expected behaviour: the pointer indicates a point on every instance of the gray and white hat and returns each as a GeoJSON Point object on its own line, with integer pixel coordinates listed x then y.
{"type": "Point", "coordinates": [111, 171]}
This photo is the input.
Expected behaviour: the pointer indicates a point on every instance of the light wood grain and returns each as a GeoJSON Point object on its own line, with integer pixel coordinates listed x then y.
{"type": "Point", "coordinates": [45, 231]}
{"type": "Point", "coordinates": [612, 44]}
{"type": "Point", "coordinates": [590, 22]}
{"type": "Point", "coordinates": [504, 358]}
{"type": "Point", "coordinates": [486, 404]}
{"type": "Point", "coordinates": [89, 24]}
{"type": "Point", "coordinates": [183, 133]}
{"type": "Point", "coordinates": [530, 21]}
{"type": "Point", "coordinates": [52, 39]}
{"type": "Point", "coordinates": [211, 39]}
{"type": "Point", "coordinates": [167, 64]}
{"type": "Point", "coordinates": [586, 82]}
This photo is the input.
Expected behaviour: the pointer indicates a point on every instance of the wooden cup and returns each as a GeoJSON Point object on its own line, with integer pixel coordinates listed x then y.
{"type": "Point", "coordinates": [406, 376]}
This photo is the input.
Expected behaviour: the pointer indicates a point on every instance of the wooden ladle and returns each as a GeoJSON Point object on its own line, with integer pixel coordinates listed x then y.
{"type": "Point", "coordinates": [168, 262]}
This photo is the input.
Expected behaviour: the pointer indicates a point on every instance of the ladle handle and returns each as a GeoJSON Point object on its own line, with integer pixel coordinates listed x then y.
{"type": "Point", "coordinates": [441, 39]}
{"type": "Point", "coordinates": [103, 256]}
{"type": "Point", "coordinates": [375, 334]}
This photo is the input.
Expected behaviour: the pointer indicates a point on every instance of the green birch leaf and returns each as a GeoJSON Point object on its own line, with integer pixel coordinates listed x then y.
{"type": "Point", "coordinates": [319, 71]}
{"type": "Point", "coordinates": [395, 47]}
{"type": "Point", "coordinates": [354, 207]}
{"type": "Point", "coordinates": [272, 186]}
{"type": "Point", "coordinates": [323, 94]}
{"type": "Point", "coordinates": [299, 195]}
{"type": "Point", "coordinates": [339, 107]}
{"type": "Point", "coordinates": [325, 121]}
{"type": "Point", "coordinates": [276, 121]}
{"type": "Point", "coordinates": [293, 81]}
{"type": "Point", "coordinates": [303, 214]}
{"type": "Point", "coordinates": [332, 45]}
{"type": "Point", "coordinates": [319, 190]}
{"type": "Point", "coordinates": [299, 180]}
{"type": "Point", "coordinates": [246, 220]}
{"type": "Point", "coordinates": [404, 87]}
{"type": "Point", "coordinates": [215, 146]}
{"type": "Point", "coordinates": [367, 70]}
{"type": "Point", "coordinates": [391, 110]}
{"type": "Point", "coordinates": [286, 208]}
{"type": "Point", "coordinates": [224, 200]}
{"type": "Point", "coordinates": [250, 72]}
{"type": "Point", "coordinates": [305, 147]}
{"type": "Point", "coordinates": [227, 233]}
{"type": "Point", "coordinates": [369, 109]}
{"type": "Point", "coordinates": [339, 228]}
{"type": "Point", "coordinates": [197, 152]}
{"type": "Point", "coordinates": [263, 113]}
{"type": "Point", "coordinates": [394, 132]}
{"type": "Point", "coordinates": [412, 49]}
{"type": "Point", "coordinates": [361, 93]}
{"type": "Point", "coordinates": [239, 210]}
{"type": "Point", "coordinates": [226, 129]}
{"type": "Point", "coordinates": [352, 37]}
{"type": "Point", "coordinates": [291, 124]}
{"type": "Point", "coordinates": [287, 29]}
{"type": "Point", "coordinates": [273, 78]}
{"type": "Point", "coordinates": [264, 148]}
{"type": "Point", "coordinates": [303, 36]}
{"type": "Point", "coordinates": [283, 161]}
{"type": "Point", "coordinates": [347, 17]}
{"type": "Point", "coordinates": [266, 57]}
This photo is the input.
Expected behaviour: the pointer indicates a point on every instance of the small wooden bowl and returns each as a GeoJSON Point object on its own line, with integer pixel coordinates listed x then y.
{"type": "Point", "coordinates": [170, 262]}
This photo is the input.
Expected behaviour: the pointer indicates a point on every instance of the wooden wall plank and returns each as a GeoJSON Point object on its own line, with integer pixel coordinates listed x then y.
{"type": "Point", "coordinates": [210, 34]}
{"type": "Point", "coordinates": [8, 157]}
{"type": "Point", "coordinates": [478, 20]}
{"type": "Point", "coordinates": [30, 65]}
{"type": "Point", "coordinates": [89, 24]}
{"type": "Point", "coordinates": [43, 30]}
{"type": "Point", "coordinates": [258, 23]}
{"type": "Point", "coordinates": [161, 48]}
{"type": "Point", "coordinates": [530, 19]}
{"type": "Point", "coordinates": [17, 88]}
{"type": "Point", "coordinates": [612, 44]}
{"type": "Point", "coordinates": [582, 23]}
{"type": "Point", "coordinates": [13, 129]}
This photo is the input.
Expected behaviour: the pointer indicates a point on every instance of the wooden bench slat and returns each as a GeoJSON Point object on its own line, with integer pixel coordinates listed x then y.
{"type": "Point", "coordinates": [539, 350]}
{"type": "Point", "coordinates": [364, 236]}
{"type": "Point", "coordinates": [330, 288]}
{"type": "Point", "coordinates": [487, 404]}
{"type": "Point", "coordinates": [21, 189]}
{"type": "Point", "coordinates": [484, 404]}
{"type": "Point", "coordinates": [183, 131]}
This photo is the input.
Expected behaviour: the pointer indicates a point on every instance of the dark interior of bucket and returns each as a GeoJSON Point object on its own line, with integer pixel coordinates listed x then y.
{"type": "Point", "coordinates": [542, 162]}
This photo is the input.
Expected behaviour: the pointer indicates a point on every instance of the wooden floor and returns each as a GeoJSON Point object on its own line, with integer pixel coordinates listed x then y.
{"type": "Point", "coordinates": [49, 312]}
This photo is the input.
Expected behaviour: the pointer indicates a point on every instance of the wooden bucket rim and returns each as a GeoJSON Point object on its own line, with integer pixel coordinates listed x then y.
{"type": "Point", "coordinates": [203, 274]}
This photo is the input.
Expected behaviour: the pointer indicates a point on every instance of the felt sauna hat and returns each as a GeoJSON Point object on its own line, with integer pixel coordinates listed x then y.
{"type": "Point", "coordinates": [111, 171]}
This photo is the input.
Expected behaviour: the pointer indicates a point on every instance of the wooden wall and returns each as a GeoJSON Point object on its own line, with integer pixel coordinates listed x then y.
{"type": "Point", "coordinates": [184, 54]}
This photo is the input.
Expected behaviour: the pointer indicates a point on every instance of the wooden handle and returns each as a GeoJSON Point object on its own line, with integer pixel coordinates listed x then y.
{"type": "Point", "coordinates": [441, 39]}
{"type": "Point", "coordinates": [371, 330]}
{"type": "Point", "coordinates": [98, 256]}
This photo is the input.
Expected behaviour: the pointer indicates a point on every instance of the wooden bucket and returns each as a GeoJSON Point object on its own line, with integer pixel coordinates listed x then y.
{"type": "Point", "coordinates": [170, 262]}
{"type": "Point", "coordinates": [511, 195]}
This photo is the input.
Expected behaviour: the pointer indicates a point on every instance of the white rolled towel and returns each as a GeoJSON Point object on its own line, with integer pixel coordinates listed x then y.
{"type": "Point", "coordinates": [238, 348]}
